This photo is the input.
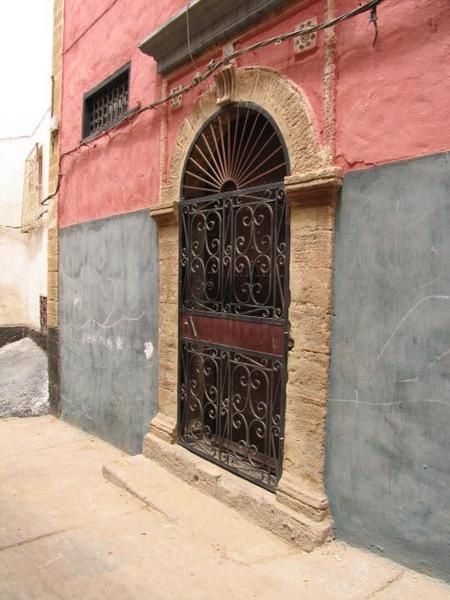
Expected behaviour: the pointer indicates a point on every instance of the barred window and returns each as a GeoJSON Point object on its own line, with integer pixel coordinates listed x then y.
{"type": "Point", "coordinates": [32, 188]}
{"type": "Point", "coordinates": [107, 103]}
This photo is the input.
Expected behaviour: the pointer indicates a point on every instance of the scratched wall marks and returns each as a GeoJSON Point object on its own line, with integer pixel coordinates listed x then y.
{"type": "Point", "coordinates": [388, 470]}
{"type": "Point", "coordinates": [109, 327]}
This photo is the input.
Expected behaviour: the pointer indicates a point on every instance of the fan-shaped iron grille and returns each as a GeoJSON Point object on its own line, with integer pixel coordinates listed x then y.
{"type": "Point", "coordinates": [239, 148]}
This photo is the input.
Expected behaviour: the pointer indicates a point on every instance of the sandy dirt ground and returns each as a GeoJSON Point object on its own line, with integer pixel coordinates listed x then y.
{"type": "Point", "coordinates": [67, 533]}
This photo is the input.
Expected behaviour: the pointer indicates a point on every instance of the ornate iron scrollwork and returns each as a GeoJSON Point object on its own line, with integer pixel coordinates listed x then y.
{"type": "Point", "coordinates": [234, 253]}
{"type": "Point", "coordinates": [231, 409]}
{"type": "Point", "coordinates": [234, 240]}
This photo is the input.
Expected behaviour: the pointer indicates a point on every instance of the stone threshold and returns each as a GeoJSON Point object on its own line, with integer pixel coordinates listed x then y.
{"type": "Point", "coordinates": [134, 474]}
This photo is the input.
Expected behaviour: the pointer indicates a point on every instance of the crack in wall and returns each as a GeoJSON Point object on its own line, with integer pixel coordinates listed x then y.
{"type": "Point", "coordinates": [405, 317]}
{"type": "Point", "coordinates": [384, 586]}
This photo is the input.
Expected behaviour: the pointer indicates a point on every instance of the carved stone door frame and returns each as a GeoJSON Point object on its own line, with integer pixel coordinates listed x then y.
{"type": "Point", "coordinates": [311, 190]}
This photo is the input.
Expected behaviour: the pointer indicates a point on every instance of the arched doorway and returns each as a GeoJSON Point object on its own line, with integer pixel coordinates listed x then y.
{"type": "Point", "coordinates": [234, 294]}
{"type": "Point", "coordinates": [299, 511]}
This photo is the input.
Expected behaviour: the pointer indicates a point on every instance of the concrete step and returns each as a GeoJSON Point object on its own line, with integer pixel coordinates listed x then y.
{"type": "Point", "coordinates": [255, 503]}
{"type": "Point", "coordinates": [334, 571]}
{"type": "Point", "coordinates": [186, 507]}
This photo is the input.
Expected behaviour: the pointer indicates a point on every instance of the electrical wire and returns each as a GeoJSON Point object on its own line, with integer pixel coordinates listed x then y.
{"type": "Point", "coordinates": [188, 33]}
{"type": "Point", "coordinates": [29, 135]}
{"type": "Point", "coordinates": [89, 27]}
{"type": "Point", "coordinates": [20, 226]}
{"type": "Point", "coordinates": [214, 66]}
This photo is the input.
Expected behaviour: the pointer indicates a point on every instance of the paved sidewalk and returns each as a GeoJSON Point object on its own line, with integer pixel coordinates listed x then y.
{"type": "Point", "coordinates": [67, 533]}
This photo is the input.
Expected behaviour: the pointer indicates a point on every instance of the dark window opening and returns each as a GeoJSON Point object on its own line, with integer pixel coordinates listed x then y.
{"type": "Point", "coordinates": [43, 313]}
{"type": "Point", "coordinates": [107, 103]}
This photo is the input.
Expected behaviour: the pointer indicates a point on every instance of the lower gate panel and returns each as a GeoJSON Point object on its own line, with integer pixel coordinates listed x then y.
{"type": "Point", "coordinates": [231, 403]}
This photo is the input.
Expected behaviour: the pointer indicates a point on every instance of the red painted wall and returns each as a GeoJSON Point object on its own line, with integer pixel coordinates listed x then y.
{"type": "Point", "coordinates": [391, 100]}
{"type": "Point", "coordinates": [118, 173]}
{"type": "Point", "coordinates": [307, 69]}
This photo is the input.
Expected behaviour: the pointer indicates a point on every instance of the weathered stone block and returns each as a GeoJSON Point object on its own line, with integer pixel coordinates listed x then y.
{"type": "Point", "coordinates": [310, 329]}
{"type": "Point", "coordinates": [52, 279]}
{"type": "Point", "coordinates": [311, 286]}
{"type": "Point", "coordinates": [52, 262]}
{"type": "Point", "coordinates": [52, 293]}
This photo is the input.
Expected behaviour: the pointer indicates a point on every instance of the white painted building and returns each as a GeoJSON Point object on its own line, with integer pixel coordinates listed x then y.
{"type": "Point", "coordinates": [25, 111]}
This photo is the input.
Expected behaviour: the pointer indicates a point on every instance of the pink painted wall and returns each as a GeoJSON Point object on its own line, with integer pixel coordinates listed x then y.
{"type": "Point", "coordinates": [391, 101]}
{"type": "Point", "coordinates": [307, 69]}
{"type": "Point", "coordinates": [120, 173]}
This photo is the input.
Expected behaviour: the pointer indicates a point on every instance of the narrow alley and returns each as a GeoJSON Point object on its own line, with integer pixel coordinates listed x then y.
{"type": "Point", "coordinates": [67, 533]}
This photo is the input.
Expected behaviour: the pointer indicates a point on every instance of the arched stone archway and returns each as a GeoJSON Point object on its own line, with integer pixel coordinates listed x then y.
{"type": "Point", "coordinates": [300, 512]}
{"type": "Point", "coordinates": [286, 104]}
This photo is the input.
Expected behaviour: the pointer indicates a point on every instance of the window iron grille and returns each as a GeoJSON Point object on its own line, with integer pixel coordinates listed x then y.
{"type": "Point", "coordinates": [107, 103]}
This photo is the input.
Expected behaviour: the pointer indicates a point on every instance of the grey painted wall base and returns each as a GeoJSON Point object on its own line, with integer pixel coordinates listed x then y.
{"type": "Point", "coordinates": [388, 470]}
{"type": "Point", "coordinates": [108, 327]}
{"type": "Point", "coordinates": [53, 370]}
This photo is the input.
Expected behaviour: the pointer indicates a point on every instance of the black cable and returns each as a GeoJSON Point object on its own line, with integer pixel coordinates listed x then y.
{"type": "Point", "coordinates": [26, 135]}
{"type": "Point", "coordinates": [89, 27]}
{"type": "Point", "coordinates": [374, 21]}
{"type": "Point", "coordinates": [188, 33]}
{"type": "Point", "coordinates": [213, 66]}
{"type": "Point", "coordinates": [20, 226]}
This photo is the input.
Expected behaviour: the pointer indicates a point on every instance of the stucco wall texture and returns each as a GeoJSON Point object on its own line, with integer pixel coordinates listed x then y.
{"type": "Point", "coordinates": [388, 471]}
{"type": "Point", "coordinates": [13, 285]}
{"type": "Point", "coordinates": [377, 102]}
{"type": "Point", "coordinates": [108, 327]}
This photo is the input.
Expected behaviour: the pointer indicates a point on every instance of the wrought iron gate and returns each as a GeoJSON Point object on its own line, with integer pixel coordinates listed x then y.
{"type": "Point", "coordinates": [234, 251]}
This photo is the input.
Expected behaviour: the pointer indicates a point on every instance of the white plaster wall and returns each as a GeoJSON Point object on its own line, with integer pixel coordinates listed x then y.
{"type": "Point", "coordinates": [26, 41]}
{"type": "Point", "coordinates": [37, 273]}
{"type": "Point", "coordinates": [13, 284]}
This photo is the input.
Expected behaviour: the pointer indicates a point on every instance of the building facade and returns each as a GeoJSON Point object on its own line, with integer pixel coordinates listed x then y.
{"type": "Point", "coordinates": [24, 155]}
{"type": "Point", "coordinates": [250, 251]}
